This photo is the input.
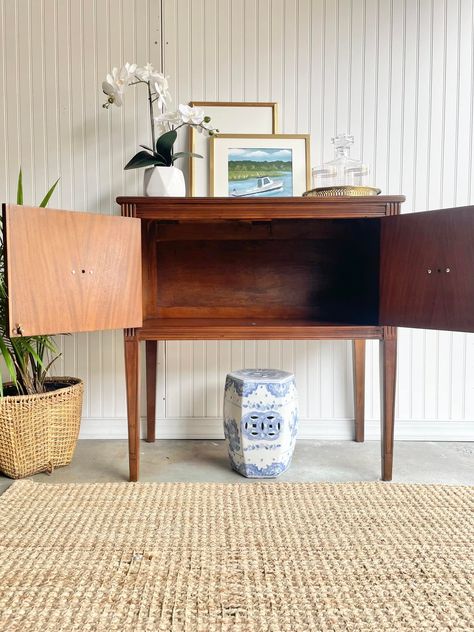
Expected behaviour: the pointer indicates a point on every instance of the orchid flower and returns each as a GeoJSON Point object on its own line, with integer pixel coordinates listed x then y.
{"type": "Point", "coordinates": [166, 123]}
{"type": "Point", "coordinates": [191, 115]}
{"type": "Point", "coordinates": [173, 118]}
{"type": "Point", "coordinates": [167, 120]}
{"type": "Point", "coordinates": [163, 95]}
{"type": "Point", "coordinates": [116, 82]}
{"type": "Point", "coordinates": [147, 73]}
{"type": "Point", "coordinates": [113, 92]}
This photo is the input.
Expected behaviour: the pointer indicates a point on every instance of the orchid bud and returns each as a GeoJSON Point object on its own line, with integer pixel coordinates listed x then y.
{"type": "Point", "coordinates": [207, 119]}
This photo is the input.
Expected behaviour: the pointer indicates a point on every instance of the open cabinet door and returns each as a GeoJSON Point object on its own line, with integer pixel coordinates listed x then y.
{"type": "Point", "coordinates": [427, 270]}
{"type": "Point", "coordinates": [68, 271]}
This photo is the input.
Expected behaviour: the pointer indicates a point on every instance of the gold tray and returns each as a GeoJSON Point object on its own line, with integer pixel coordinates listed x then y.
{"type": "Point", "coordinates": [341, 191]}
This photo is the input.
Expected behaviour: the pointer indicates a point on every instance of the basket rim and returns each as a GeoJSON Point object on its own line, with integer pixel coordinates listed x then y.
{"type": "Point", "coordinates": [72, 382]}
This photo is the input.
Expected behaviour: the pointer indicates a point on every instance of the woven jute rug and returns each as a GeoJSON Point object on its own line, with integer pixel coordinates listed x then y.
{"type": "Point", "coordinates": [241, 557]}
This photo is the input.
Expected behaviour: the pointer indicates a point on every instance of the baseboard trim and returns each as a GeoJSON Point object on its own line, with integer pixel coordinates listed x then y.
{"type": "Point", "coordinates": [317, 429]}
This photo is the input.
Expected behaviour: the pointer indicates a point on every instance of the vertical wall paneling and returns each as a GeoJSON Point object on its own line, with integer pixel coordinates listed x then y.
{"type": "Point", "coordinates": [398, 74]}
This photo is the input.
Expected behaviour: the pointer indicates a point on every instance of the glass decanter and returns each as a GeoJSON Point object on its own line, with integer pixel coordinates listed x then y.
{"type": "Point", "coordinates": [343, 170]}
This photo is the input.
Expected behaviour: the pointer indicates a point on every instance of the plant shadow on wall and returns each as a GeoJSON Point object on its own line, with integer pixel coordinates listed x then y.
{"type": "Point", "coordinates": [161, 176]}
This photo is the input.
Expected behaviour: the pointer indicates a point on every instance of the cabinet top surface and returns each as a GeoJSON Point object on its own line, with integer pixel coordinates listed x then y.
{"type": "Point", "coordinates": [264, 201]}
{"type": "Point", "coordinates": [219, 208]}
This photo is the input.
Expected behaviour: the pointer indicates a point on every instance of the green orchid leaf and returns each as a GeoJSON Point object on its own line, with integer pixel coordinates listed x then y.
{"type": "Point", "coordinates": [183, 154]}
{"type": "Point", "coordinates": [19, 190]}
{"type": "Point", "coordinates": [145, 147]}
{"type": "Point", "coordinates": [48, 195]}
{"type": "Point", "coordinates": [164, 145]}
{"type": "Point", "coordinates": [161, 159]}
{"type": "Point", "coordinates": [142, 159]}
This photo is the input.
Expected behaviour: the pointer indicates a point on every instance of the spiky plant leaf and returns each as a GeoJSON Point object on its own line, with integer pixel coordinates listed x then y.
{"type": "Point", "coordinates": [19, 189]}
{"type": "Point", "coordinates": [46, 198]}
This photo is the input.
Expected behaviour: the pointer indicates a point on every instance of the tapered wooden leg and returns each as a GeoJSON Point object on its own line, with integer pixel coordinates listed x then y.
{"type": "Point", "coordinates": [388, 372]}
{"type": "Point", "coordinates": [151, 353]}
{"type": "Point", "coordinates": [132, 376]}
{"type": "Point", "coordinates": [358, 362]}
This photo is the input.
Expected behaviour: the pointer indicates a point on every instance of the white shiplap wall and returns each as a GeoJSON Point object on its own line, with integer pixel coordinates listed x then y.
{"type": "Point", "coordinates": [398, 74]}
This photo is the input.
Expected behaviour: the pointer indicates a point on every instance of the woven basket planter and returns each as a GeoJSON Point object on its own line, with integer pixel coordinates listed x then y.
{"type": "Point", "coordinates": [39, 432]}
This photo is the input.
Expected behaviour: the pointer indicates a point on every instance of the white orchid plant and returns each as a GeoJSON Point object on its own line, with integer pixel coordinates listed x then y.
{"type": "Point", "coordinates": [164, 120]}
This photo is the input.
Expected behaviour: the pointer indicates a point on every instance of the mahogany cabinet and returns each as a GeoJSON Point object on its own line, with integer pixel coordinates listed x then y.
{"type": "Point", "coordinates": [221, 268]}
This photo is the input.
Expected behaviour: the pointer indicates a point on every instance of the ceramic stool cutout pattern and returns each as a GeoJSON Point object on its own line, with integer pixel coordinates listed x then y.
{"type": "Point", "coordinates": [260, 421]}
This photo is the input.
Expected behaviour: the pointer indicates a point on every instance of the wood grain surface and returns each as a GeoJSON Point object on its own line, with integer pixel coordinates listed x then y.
{"type": "Point", "coordinates": [220, 208]}
{"type": "Point", "coordinates": [259, 269]}
{"type": "Point", "coordinates": [427, 270]}
{"type": "Point", "coordinates": [69, 271]}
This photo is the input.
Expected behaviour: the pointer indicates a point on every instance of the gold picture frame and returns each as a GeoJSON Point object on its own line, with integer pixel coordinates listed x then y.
{"type": "Point", "coordinates": [221, 144]}
{"type": "Point", "coordinates": [228, 117]}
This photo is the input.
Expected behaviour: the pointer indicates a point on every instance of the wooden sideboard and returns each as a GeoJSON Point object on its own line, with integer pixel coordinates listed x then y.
{"type": "Point", "coordinates": [222, 268]}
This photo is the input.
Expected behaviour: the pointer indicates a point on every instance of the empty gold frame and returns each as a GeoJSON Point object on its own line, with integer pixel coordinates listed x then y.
{"type": "Point", "coordinates": [228, 118]}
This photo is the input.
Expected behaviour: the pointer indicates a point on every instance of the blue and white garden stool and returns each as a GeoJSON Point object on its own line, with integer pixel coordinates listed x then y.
{"type": "Point", "coordinates": [260, 421]}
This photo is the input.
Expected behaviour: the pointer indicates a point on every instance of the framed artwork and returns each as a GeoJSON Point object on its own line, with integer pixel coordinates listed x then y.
{"type": "Point", "coordinates": [228, 118]}
{"type": "Point", "coordinates": [259, 165]}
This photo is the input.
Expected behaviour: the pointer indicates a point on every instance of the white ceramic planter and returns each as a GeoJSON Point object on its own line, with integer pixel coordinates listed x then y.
{"type": "Point", "coordinates": [164, 182]}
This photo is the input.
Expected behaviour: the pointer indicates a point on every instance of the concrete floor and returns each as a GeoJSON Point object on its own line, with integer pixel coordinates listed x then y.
{"type": "Point", "coordinates": [190, 460]}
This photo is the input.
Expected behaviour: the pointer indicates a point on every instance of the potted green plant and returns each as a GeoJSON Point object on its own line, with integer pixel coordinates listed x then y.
{"type": "Point", "coordinates": [39, 415]}
{"type": "Point", "coordinates": [161, 177]}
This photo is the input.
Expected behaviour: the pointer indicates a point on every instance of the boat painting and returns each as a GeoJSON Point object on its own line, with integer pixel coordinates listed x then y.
{"type": "Point", "coordinates": [260, 172]}
{"type": "Point", "coordinates": [264, 185]}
